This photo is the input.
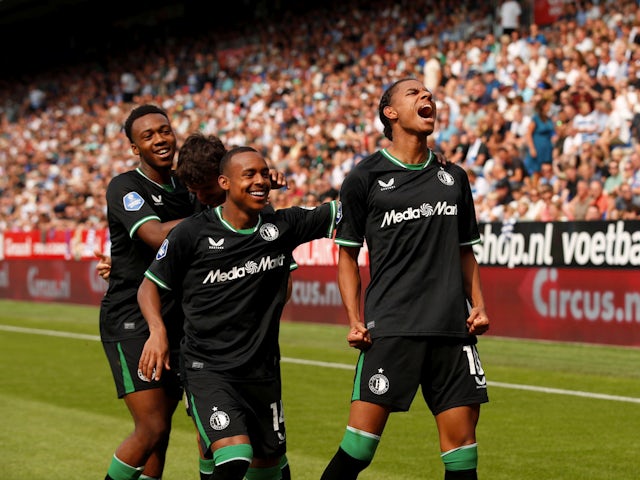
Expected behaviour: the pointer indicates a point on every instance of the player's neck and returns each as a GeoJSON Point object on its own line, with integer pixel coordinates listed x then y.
{"type": "Point", "coordinates": [161, 176]}
{"type": "Point", "coordinates": [410, 150]}
{"type": "Point", "coordinates": [237, 218]}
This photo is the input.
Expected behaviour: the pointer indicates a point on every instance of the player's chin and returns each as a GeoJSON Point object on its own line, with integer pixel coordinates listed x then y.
{"type": "Point", "coordinates": [259, 201]}
{"type": "Point", "coordinates": [429, 127]}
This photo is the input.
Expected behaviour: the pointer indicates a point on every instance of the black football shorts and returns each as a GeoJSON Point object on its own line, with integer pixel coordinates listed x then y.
{"type": "Point", "coordinates": [222, 408]}
{"type": "Point", "coordinates": [123, 357]}
{"type": "Point", "coordinates": [448, 370]}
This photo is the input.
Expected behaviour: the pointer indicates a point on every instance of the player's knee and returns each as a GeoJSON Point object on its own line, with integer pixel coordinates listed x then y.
{"type": "Point", "coordinates": [461, 463]}
{"type": "Point", "coordinates": [359, 444]}
{"type": "Point", "coordinates": [155, 433]}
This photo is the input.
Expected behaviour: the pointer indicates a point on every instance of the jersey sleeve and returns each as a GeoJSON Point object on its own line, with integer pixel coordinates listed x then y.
{"type": "Point", "coordinates": [173, 258]}
{"type": "Point", "coordinates": [128, 205]}
{"type": "Point", "coordinates": [467, 222]}
{"type": "Point", "coordinates": [350, 230]}
{"type": "Point", "coordinates": [313, 223]}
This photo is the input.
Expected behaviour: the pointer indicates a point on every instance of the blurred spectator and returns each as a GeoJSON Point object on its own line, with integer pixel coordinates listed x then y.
{"type": "Point", "coordinates": [523, 210]}
{"type": "Point", "coordinates": [577, 207]}
{"type": "Point", "coordinates": [509, 13]}
{"type": "Point", "coordinates": [593, 213]}
{"type": "Point", "coordinates": [546, 210]}
{"type": "Point", "coordinates": [585, 124]}
{"type": "Point", "coordinates": [536, 36]}
{"type": "Point", "coordinates": [503, 189]}
{"type": "Point", "coordinates": [614, 179]}
{"type": "Point", "coordinates": [129, 86]}
{"type": "Point", "coordinates": [627, 204]}
{"type": "Point", "coordinates": [477, 151]}
{"type": "Point", "coordinates": [539, 140]}
{"type": "Point", "coordinates": [599, 197]}
{"type": "Point", "coordinates": [309, 104]}
{"type": "Point", "coordinates": [479, 185]}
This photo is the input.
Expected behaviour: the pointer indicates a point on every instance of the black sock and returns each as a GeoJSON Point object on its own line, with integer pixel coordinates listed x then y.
{"type": "Point", "coordinates": [343, 467]}
{"type": "Point", "coordinates": [232, 470]}
{"type": "Point", "coordinates": [286, 472]}
{"type": "Point", "coordinates": [461, 475]}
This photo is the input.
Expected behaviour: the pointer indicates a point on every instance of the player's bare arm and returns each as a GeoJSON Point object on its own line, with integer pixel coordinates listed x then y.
{"type": "Point", "coordinates": [350, 284]}
{"type": "Point", "coordinates": [155, 354]}
{"type": "Point", "coordinates": [478, 321]}
{"type": "Point", "coordinates": [154, 232]}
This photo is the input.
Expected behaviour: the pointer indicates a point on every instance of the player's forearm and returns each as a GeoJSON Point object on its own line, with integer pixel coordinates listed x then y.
{"type": "Point", "coordinates": [471, 277]}
{"type": "Point", "coordinates": [349, 283]}
{"type": "Point", "coordinates": [153, 232]}
{"type": "Point", "coordinates": [150, 306]}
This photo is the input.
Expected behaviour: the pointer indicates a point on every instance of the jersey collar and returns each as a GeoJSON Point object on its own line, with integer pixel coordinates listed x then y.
{"type": "Point", "coordinates": [245, 231]}
{"type": "Point", "coordinates": [168, 188]}
{"type": "Point", "coordinates": [408, 166]}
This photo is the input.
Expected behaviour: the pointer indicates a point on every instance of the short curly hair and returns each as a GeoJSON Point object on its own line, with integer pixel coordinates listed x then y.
{"type": "Point", "coordinates": [138, 112]}
{"type": "Point", "coordinates": [199, 159]}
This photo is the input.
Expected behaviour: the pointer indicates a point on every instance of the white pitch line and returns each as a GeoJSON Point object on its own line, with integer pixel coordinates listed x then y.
{"type": "Point", "coordinates": [344, 366]}
{"type": "Point", "coordinates": [50, 333]}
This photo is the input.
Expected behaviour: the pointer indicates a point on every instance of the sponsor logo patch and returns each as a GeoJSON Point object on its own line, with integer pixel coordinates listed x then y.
{"type": "Point", "coordinates": [132, 202]}
{"type": "Point", "coordinates": [162, 251]}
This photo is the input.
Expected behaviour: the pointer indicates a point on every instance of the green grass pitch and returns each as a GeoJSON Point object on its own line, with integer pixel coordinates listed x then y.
{"type": "Point", "coordinates": [557, 411]}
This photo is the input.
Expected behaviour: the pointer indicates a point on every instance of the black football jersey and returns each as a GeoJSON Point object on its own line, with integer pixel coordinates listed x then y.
{"type": "Point", "coordinates": [413, 219]}
{"type": "Point", "coordinates": [132, 200]}
{"type": "Point", "coordinates": [233, 284]}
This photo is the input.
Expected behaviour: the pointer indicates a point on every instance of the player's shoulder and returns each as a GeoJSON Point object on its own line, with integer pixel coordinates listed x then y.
{"type": "Point", "coordinates": [193, 224]}
{"type": "Point", "coordinates": [453, 169]}
{"type": "Point", "coordinates": [369, 163]}
{"type": "Point", "coordinates": [297, 211]}
{"type": "Point", "coordinates": [364, 171]}
{"type": "Point", "coordinates": [124, 178]}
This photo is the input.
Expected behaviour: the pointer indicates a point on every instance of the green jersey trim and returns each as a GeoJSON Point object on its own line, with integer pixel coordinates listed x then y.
{"type": "Point", "coordinates": [408, 166]}
{"type": "Point", "coordinates": [156, 280]}
{"type": "Point", "coordinates": [139, 223]}
{"type": "Point", "coordinates": [245, 231]}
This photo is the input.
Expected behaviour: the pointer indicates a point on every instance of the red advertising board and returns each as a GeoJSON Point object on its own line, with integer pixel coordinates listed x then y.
{"type": "Point", "coordinates": [53, 244]}
{"type": "Point", "coordinates": [61, 281]}
{"type": "Point", "coordinates": [566, 281]}
{"type": "Point", "coordinates": [564, 304]}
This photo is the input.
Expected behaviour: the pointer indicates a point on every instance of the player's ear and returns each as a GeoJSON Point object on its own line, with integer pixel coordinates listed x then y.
{"type": "Point", "coordinates": [223, 181]}
{"type": "Point", "coordinates": [390, 112]}
{"type": "Point", "coordinates": [135, 150]}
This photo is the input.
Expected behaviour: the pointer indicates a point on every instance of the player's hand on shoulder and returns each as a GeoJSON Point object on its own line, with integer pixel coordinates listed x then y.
{"type": "Point", "coordinates": [278, 179]}
{"type": "Point", "coordinates": [441, 159]}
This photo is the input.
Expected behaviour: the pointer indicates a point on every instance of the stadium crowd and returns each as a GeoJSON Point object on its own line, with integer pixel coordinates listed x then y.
{"type": "Point", "coordinates": [304, 91]}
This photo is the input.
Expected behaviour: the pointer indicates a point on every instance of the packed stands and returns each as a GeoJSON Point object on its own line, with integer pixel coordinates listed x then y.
{"type": "Point", "coordinates": [304, 87]}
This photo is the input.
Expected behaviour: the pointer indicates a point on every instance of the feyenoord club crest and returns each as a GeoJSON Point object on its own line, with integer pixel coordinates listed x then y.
{"type": "Point", "coordinates": [269, 232]}
{"type": "Point", "coordinates": [219, 420]}
{"type": "Point", "coordinates": [379, 383]}
{"type": "Point", "coordinates": [445, 177]}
